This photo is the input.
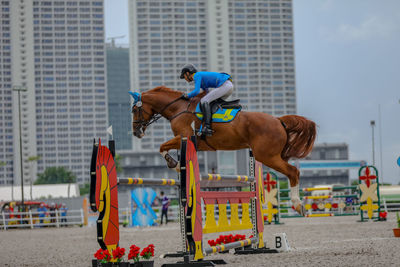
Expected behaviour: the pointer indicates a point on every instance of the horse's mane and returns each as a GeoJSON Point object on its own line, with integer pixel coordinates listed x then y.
{"type": "Point", "coordinates": [164, 89]}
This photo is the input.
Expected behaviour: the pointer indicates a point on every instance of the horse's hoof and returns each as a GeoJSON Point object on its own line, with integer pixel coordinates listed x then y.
{"type": "Point", "coordinates": [171, 163]}
{"type": "Point", "coordinates": [178, 167]}
{"type": "Point", "coordinates": [301, 210]}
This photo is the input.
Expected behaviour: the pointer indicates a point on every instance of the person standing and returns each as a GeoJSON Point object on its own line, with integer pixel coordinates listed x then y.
{"type": "Point", "coordinates": [52, 211]}
{"type": "Point", "coordinates": [42, 213]}
{"type": "Point", "coordinates": [63, 211]}
{"type": "Point", "coordinates": [7, 214]}
{"type": "Point", "coordinates": [164, 210]}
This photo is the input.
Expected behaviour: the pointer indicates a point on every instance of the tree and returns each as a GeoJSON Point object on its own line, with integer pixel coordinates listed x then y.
{"type": "Point", "coordinates": [56, 175]}
{"type": "Point", "coordinates": [85, 189]}
{"type": "Point", "coordinates": [117, 161]}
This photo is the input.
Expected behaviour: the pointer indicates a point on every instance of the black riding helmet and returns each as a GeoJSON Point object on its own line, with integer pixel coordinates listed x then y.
{"type": "Point", "coordinates": [188, 68]}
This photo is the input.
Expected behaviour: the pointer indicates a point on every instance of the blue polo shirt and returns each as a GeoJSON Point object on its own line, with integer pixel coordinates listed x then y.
{"type": "Point", "coordinates": [206, 80]}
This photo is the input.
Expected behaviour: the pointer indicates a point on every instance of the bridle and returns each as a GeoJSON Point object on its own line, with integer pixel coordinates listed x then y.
{"type": "Point", "coordinates": [142, 123]}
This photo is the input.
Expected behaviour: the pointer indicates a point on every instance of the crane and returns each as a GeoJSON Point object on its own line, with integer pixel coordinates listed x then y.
{"type": "Point", "coordinates": [113, 39]}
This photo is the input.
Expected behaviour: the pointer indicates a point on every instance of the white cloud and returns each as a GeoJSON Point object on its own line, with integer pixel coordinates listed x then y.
{"type": "Point", "coordinates": [369, 29]}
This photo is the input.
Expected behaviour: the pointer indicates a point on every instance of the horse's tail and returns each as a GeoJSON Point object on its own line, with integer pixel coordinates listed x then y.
{"type": "Point", "coordinates": [301, 134]}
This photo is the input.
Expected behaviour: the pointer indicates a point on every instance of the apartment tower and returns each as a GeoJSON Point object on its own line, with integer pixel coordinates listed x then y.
{"type": "Point", "coordinates": [55, 51]}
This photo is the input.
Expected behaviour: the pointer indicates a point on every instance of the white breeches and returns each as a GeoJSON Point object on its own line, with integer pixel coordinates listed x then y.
{"type": "Point", "coordinates": [224, 91]}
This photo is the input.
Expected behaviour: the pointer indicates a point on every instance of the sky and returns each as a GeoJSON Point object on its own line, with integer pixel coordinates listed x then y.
{"type": "Point", "coordinates": [347, 73]}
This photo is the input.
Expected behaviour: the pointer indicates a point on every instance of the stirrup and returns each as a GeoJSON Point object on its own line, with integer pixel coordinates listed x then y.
{"type": "Point", "coordinates": [207, 131]}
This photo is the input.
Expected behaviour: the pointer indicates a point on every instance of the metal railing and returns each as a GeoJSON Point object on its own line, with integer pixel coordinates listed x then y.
{"type": "Point", "coordinates": [390, 205]}
{"type": "Point", "coordinates": [36, 219]}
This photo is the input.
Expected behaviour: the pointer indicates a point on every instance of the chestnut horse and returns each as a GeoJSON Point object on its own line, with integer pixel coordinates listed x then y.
{"type": "Point", "coordinates": [273, 140]}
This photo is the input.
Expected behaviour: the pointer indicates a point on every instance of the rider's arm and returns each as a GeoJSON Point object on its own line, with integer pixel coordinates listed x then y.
{"type": "Point", "coordinates": [197, 83]}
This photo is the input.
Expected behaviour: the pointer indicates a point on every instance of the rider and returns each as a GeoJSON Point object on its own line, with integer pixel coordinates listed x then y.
{"type": "Point", "coordinates": [216, 85]}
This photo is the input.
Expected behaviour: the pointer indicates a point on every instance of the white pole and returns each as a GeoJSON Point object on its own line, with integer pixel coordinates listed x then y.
{"type": "Point", "coordinates": [30, 218]}
{"type": "Point", "coordinates": [380, 144]}
{"type": "Point", "coordinates": [57, 222]}
{"type": "Point", "coordinates": [4, 220]}
{"type": "Point", "coordinates": [82, 217]}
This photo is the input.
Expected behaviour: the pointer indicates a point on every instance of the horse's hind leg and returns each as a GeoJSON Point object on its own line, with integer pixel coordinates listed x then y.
{"type": "Point", "coordinates": [174, 143]}
{"type": "Point", "coordinates": [278, 164]}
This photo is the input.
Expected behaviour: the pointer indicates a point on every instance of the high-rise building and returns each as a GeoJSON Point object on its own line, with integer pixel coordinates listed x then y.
{"type": "Point", "coordinates": [250, 39]}
{"type": "Point", "coordinates": [55, 50]}
{"type": "Point", "coordinates": [119, 103]}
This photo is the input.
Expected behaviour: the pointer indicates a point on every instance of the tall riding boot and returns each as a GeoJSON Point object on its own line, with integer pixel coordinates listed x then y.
{"type": "Point", "coordinates": [206, 119]}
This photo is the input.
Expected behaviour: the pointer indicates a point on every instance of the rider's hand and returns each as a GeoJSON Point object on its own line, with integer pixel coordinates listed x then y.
{"type": "Point", "coordinates": [185, 96]}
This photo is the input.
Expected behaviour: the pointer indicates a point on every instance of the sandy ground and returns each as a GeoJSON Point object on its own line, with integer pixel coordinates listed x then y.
{"type": "Point", "coordinates": [332, 241]}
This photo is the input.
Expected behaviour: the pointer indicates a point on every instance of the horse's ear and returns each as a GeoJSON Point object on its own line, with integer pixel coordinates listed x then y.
{"type": "Point", "coordinates": [135, 95]}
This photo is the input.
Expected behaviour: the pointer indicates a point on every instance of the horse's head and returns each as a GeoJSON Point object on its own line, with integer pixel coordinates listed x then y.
{"type": "Point", "coordinates": [143, 115]}
{"type": "Point", "coordinates": [151, 105]}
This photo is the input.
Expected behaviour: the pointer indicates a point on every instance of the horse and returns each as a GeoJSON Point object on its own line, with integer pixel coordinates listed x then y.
{"type": "Point", "coordinates": [273, 140]}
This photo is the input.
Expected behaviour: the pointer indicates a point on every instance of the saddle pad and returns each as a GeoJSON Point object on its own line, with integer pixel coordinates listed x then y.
{"type": "Point", "coordinates": [221, 115]}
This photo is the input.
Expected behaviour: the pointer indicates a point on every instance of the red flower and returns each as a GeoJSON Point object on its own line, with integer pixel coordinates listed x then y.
{"type": "Point", "coordinates": [107, 256]}
{"type": "Point", "coordinates": [148, 252]}
{"type": "Point", "coordinates": [212, 243]}
{"type": "Point", "coordinates": [103, 255]}
{"type": "Point", "coordinates": [383, 214]}
{"type": "Point", "coordinates": [99, 254]}
{"type": "Point", "coordinates": [226, 239]}
{"type": "Point", "coordinates": [118, 253]}
{"type": "Point", "coordinates": [134, 253]}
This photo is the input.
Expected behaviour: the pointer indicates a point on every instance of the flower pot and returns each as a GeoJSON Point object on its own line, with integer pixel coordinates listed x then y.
{"type": "Point", "coordinates": [108, 264]}
{"type": "Point", "coordinates": [143, 264]}
{"type": "Point", "coordinates": [123, 264]}
{"type": "Point", "coordinates": [95, 263]}
{"type": "Point", "coordinates": [147, 263]}
{"type": "Point", "coordinates": [396, 232]}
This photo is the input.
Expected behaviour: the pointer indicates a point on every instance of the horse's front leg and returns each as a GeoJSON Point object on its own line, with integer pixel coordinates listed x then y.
{"type": "Point", "coordinates": [174, 143]}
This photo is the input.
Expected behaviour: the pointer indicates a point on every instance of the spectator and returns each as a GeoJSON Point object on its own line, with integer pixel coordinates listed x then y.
{"type": "Point", "coordinates": [63, 210]}
{"type": "Point", "coordinates": [165, 204]}
{"type": "Point", "coordinates": [7, 214]}
{"type": "Point", "coordinates": [52, 210]}
{"type": "Point", "coordinates": [42, 213]}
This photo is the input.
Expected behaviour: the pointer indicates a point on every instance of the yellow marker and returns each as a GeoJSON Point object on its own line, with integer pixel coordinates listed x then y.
{"type": "Point", "coordinates": [270, 211]}
{"type": "Point", "coordinates": [316, 188]}
{"type": "Point", "coordinates": [210, 225]}
{"type": "Point", "coordinates": [317, 197]}
{"type": "Point", "coordinates": [223, 223]}
{"type": "Point", "coordinates": [369, 207]}
{"type": "Point", "coordinates": [246, 222]}
{"type": "Point", "coordinates": [235, 221]}
{"type": "Point", "coordinates": [319, 215]}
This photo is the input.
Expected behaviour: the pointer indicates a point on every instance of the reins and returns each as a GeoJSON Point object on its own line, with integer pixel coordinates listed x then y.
{"type": "Point", "coordinates": [157, 115]}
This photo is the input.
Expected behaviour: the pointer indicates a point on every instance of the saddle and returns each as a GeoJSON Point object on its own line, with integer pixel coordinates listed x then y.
{"type": "Point", "coordinates": [221, 110]}
{"type": "Point", "coordinates": [220, 104]}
